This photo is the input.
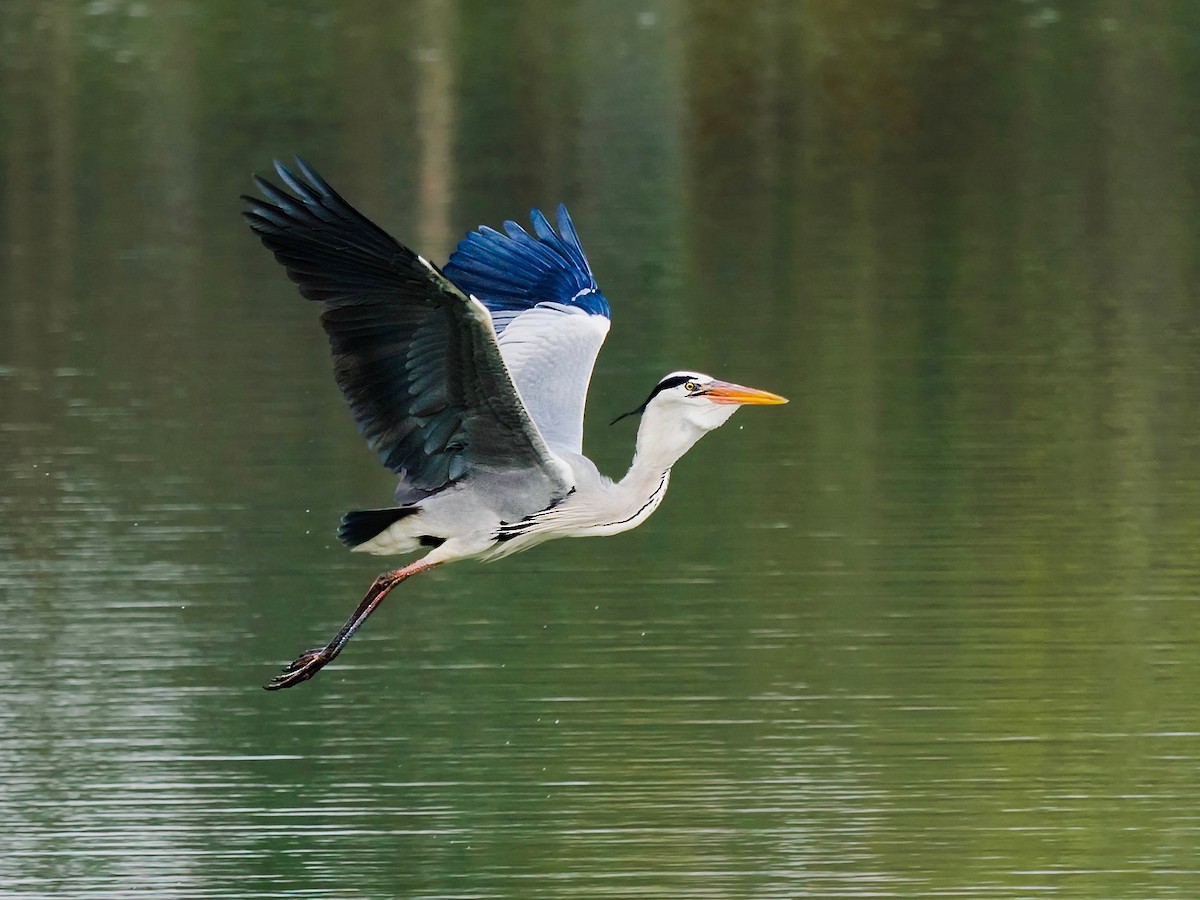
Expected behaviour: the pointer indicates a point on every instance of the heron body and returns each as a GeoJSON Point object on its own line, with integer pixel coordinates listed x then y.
{"type": "Point", "coordinates": [470, 383]}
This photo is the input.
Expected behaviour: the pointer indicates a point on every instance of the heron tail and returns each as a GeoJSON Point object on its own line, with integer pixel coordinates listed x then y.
{"type": "Point", "coordinates": [361, 525]}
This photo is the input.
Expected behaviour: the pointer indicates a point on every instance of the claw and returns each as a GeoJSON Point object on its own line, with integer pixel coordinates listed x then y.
{"type": "Point", "coordinates": [302, 668]}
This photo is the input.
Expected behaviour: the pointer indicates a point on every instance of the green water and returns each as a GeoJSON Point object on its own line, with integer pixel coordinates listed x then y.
{"type": "Point", "coordinates": [931, 630]}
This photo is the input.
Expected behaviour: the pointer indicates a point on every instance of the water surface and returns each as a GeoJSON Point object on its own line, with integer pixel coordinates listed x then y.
{"type": "Point", "coordinates": [928, 631]}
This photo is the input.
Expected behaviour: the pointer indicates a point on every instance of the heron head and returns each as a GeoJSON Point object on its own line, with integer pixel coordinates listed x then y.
{"type": "Point", "coordinates": [700, 400]}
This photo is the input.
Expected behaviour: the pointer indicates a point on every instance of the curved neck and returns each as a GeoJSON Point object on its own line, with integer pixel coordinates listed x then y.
{"type": "Point", "coordinates": [661, 441]}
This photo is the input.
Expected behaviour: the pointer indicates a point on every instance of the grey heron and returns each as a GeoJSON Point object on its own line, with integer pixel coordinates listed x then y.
{"type": "Point", "coordinates": [469, 382]}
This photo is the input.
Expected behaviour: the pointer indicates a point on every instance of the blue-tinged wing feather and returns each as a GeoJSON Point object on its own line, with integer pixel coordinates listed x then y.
{"type": "Point", "coordinates": [513, 270]}
{"type": "Point", "coordinates": [547, 311]}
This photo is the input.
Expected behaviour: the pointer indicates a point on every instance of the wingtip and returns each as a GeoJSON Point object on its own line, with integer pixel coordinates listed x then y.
{"type": "Point", "coordinates": [570, 237]}
{"type": "Point", "coordinates": [514, 229]}
{"type": "Point", "coordinates": [516, 269]}
{"type": "Point", "coordinates": [312, 176]}
{"type": "Point", "coordinates": [542, 227]}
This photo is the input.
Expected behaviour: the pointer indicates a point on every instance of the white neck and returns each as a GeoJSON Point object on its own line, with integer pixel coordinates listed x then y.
{"type": "Point", "coordinates": [661, 441]}
{"type": "Point", "coordinates": [665, 434]}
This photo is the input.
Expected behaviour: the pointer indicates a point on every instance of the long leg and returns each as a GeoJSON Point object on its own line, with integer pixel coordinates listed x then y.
{"type": "Point", "coordinates": [307, 664]}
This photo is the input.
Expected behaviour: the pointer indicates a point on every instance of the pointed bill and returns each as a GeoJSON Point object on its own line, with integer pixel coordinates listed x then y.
{"type": "Point", "coordinates": [727, 392]}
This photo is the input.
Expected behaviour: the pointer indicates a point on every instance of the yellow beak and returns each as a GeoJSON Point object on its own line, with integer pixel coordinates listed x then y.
{"type": "Point", "coordinates": [725, 392]}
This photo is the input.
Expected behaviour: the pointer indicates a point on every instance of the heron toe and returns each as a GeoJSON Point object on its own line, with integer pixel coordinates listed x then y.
{"type": "Point", "coordinates": [302, 668]}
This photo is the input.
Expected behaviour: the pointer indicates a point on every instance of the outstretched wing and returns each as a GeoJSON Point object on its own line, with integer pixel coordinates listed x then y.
{"type": "Point", "coordinates": [549, 315]}
{"type": "Point", "coordinates": [416, 359]}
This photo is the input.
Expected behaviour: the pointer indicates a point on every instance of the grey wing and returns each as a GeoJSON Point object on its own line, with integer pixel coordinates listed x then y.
{"type": "Point", "coordinates": [416, 359]}
{"type": "Point", "coordinates": [548, 312]}
{"type": "Point", "coordinates": [550, 353]}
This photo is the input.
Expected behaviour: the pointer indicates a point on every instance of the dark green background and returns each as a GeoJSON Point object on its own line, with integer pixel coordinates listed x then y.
{"type": "Point", "coordinates": [931, 630]}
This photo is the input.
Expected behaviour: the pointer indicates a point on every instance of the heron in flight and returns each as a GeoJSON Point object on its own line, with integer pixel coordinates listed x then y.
{"type": "Point", "coordinates": [470, 382]}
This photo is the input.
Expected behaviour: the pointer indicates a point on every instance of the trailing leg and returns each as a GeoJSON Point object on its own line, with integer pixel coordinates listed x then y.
{"type": "Point", "coordinates": [307, 664]}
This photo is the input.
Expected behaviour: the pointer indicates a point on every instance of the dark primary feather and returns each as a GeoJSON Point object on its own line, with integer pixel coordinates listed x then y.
{"type": "Point", "coordinates": [512, 271]}
{"type": "Point", "coordinates": [416, 360]}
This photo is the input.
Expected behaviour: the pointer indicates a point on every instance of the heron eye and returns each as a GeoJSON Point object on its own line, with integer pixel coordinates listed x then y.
{"type": "Point", "coordinates": [691, 387]}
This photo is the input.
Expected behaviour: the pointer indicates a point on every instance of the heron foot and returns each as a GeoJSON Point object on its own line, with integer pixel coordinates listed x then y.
{"type": "Point", "coordinates": [302, 668]}
{"type": "Point", "coordinates": [310, 662]}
